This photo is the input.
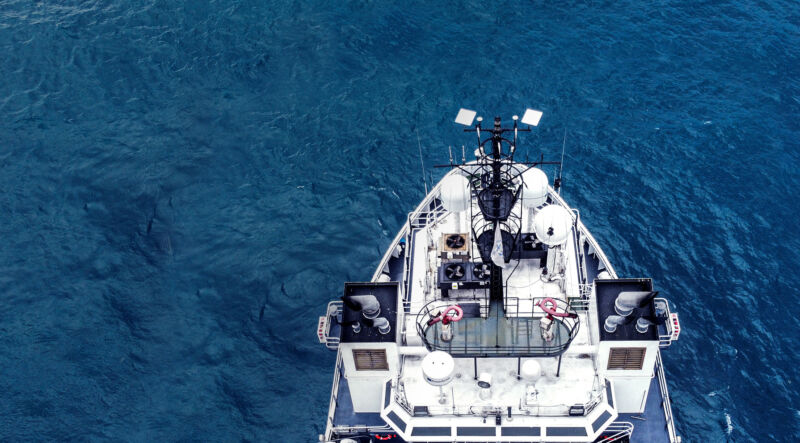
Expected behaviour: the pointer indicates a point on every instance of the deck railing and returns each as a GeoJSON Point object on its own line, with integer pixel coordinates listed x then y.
{"type": "Point", "coordinates": [597, 395]}
{"type": "Point", "coordinates": [523, 325]}
{"type": "Point", "coordinates": [666, 404]}
{"type": "Point", "coordinates": [334, 403]}
{"type": "Point", "coordinates": [586, 235]}
{"type": "Point", "coordinates": [665, 340]}
{"type": "Point", "coordinates": [356, 431]}
{"type": "Point", "coordinates": [616, 431]}
{"type": "Point", "coordinates": [334, 309]}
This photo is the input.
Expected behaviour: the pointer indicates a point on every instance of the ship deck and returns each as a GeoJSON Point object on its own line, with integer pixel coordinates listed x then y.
{"type": "Point", "coordinates": [344, 415]}
{"type": "Point", "coordinates": [551, 402]}
{"type": "Point", "coordinates": [651, 425]}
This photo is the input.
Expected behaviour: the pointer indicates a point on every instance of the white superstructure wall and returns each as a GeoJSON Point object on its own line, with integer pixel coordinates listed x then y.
{"type": "Point", "coordinates": [366, 386]}
{"type": "Point", "coordinates": [630, 386]}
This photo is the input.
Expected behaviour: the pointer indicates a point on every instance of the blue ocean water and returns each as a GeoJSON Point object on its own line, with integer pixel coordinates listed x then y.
{"type": "Point", "coordinates": [186, 184]}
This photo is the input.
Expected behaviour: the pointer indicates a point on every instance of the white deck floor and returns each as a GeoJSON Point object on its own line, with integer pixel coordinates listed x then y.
{"type": "Point", "coordinates": [553, 394]}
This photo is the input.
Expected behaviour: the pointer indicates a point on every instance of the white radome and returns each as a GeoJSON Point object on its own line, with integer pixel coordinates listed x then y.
{"type": "Point", "coordinates": [535, 187]}
{"type": "Point", "coordinates": [455, 193]}
{"type": "Point", "coordinates": [438, 368]}
{"type": "Point", "coordinates": [552, 225]}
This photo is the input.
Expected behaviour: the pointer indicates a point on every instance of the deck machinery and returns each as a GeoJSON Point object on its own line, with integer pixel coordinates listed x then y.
{"type": "Point", "coordinates": [495, 316]}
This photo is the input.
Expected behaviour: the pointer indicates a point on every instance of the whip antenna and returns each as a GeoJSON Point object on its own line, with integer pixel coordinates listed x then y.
{"type": "Point", "coordinates": [561, 165]}
{"type": "Point", "coordinates": [422, 165]}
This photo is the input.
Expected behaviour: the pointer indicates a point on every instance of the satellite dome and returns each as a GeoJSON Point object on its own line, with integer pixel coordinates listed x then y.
{"type": "Point", "coordinates": [438, 368]}
{"type": "Point", "coordinates": [455, 193]}
{"type": "Point", "coordinates": [534, 188]}
{"type": "Point", "coordinates": [552, 225]}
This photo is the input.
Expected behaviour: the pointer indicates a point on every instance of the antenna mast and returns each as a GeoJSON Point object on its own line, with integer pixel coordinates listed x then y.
{"type": "Point", "coordinates": [557, 182]}
{"type": "Point", "coordinates": [419, 145]}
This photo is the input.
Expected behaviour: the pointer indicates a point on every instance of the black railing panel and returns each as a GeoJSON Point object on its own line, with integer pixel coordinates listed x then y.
{"type": "Point", "coordinates": [498, 336]}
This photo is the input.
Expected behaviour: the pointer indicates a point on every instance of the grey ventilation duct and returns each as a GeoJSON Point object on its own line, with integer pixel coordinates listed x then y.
{"type": "Point", "coordinates": [643, 324]}
{"type": "Point", "coordinates": [612, 321]}
{"type": "Point", "coordinates": [627, 301]}
{"type": "Point", "coordinates": [367, 304]}
{"type": "Point", "coordinates": [383, 325]}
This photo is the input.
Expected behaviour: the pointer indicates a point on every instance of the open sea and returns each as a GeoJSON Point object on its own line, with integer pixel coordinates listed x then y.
{"type": "Point", "coordinates": [184, 185]}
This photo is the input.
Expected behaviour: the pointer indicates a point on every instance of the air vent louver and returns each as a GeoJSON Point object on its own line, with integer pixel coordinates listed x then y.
{"type": "Point", "coordinates": [630, 359]}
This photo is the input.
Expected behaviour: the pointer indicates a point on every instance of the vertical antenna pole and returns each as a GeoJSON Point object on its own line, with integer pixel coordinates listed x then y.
{"type": "Point", "coordinates": [463, 155]}
{"type": "Point", "coordinates": [424, 181]}
{"type": "Point", "coordinates": [514, 147]}
{"type": "Point", "coordinates": [478, 130]}
{"type": "Point", "coordinates": [561, 165]}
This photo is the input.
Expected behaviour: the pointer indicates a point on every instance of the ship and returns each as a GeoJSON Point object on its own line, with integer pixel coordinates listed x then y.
{"type": "Point", "coordinates": [495, 316]}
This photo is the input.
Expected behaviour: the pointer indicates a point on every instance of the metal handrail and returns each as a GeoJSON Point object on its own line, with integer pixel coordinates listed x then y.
{"type": "Point", "coordinates": [666, 339]}
{"type": "Point", "coordinates": [423, 206]}
{"type": "Point", "coordinates": [579, 304]}
{"type": "Point", "coordinates": [334, 402]}
{"type": "Point", "coordinates": [586, 235]}
{"type": "Point", "coordinates": [582, 275]}
{"type": "Point", "coordinates": [620, 429]}
{"type": "Point", "coordinates": [519, 350]}
{"type": "Point", "coordinates": [400, 396]}
{"type": "Point", "coordinates": [539, 410]}
{"type": "Point", "coordinates": [344, 431]}
{"type": "Point", "coordinates": [667, 404]}
{"type": "Point", "coordinates": [332, 343]}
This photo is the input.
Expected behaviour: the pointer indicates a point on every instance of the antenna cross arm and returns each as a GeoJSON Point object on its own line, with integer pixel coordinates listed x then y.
{"type": "Point", "coordinates": [502, 130]}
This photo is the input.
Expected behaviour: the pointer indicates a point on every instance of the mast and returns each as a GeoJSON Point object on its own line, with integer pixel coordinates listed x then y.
{"type": "Point", "coordinates": [497, 189]}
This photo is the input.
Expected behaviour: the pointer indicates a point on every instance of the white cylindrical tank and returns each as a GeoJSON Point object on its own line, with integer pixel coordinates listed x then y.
{"type": "Point", "coordinates": [455, 193]}
{"type": "Point", "coordinates": [552, 225]}
{"type": "Point", "coordinates": [535, 187]}
{"type": "Point", "coordinates": [438, 368]}
{"type": "Point", "coordinates": [485, 385]}
{"type": "Point", "coordinates": [531, 369]}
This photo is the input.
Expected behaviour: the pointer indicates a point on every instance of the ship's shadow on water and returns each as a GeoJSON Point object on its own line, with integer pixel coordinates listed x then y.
{"type": "Point", "coordinates": [186, 186]}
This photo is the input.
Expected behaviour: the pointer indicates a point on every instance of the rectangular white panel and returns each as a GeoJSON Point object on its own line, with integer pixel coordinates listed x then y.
{"type": "Point", "coordinates": [532, 117]}
{"type": "Point", "coordinates": [465, 117]}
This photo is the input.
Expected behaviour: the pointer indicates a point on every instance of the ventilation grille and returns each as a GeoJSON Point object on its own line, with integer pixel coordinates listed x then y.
{"type": "Point", "coordinates": [629, 359]}
{"type": "Point", "coordinates": [370, 359]}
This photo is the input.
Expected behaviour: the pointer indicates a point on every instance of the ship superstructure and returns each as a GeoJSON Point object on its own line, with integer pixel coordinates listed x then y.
{"type": "Point", "coordinates": [495, 316]}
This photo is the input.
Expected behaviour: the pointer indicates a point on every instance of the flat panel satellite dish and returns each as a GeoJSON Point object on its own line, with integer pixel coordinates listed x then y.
{"type": "Point", "coordinates": [532, 117]}
{"type": "Point", "coordinates": [465, 117]}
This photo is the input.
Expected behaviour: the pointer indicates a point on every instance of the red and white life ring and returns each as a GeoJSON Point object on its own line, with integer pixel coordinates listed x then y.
{"type": "Point", "coordinates": [549, 306]}
{"type": "Point", "coordinates": [445, 319]}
